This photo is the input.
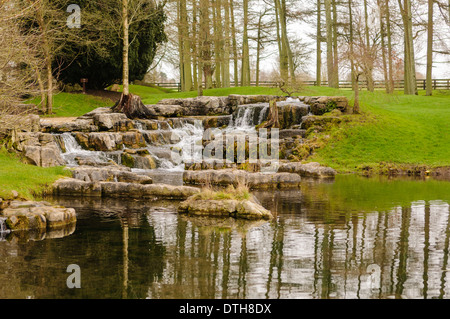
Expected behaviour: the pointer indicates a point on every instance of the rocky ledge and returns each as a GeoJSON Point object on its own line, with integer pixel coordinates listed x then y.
{"type": "Point", "coordinates": [240, 209]}
{"type": "Point", "coordinates": [76, 187]}
{"type": "Point", "coordinates": [239, 177]}
{"type": "Point", "coordinates": [314, 170]}
{"type": "Point", "coordinates": [28, 215]}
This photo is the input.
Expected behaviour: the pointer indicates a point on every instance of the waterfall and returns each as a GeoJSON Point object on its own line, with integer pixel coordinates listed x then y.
{"type": "Point", "coordinates": [248, 116]}
{"type": "Point", "coordinates": [74, 151]}
{"type": "Point", "coordinates": [3, 229]}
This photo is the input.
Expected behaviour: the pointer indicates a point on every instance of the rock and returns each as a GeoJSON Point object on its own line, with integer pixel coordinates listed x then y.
{"type": "Point", "coordinates": [99, 110]}
{"type": "Point", "coordinates": [14, 194]}
{"type": "Point", "coordinates": [308, 170]}
{"type": "Point", "coordinates": [250, 210]}
{"type": "Point", "coordinates": [109, 174]}
{"type": "Point", "coordinates": [112, 121]}
{"type": "Point", "coordinates": [292, 133]}
{"type": "Point", "coordinates": [161, 137]}
{"type": "Point", "coordinates": [291, 113]}
{"type": "Point", "coordinates": [100, 141]}
{"type": "Point", "coordinates": [320, 121]}
{"type": "Point", "coordinates": [165, 110]}
{"type": "Point", "coordinates": [133, 139]}
{"type": "Point", "coordinates": [39, 149]}
{"type": "Point", "coordinates": [245, 209]}
{"type": "Point", "coordinates": [78, 125]}
{"type": "Point", "coordinates": [37, 215]}
{"type": "Point", "coordinates": [199, 106]}
{"type": "Point", "coordinates": [75, 187]}
{"type": "Point", "coordinates": [324, 104]}
{"type": "Point", "coordinates": [235, 177]}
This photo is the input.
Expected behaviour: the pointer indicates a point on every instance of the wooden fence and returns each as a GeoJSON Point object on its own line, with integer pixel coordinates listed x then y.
{"type": "Point", "coordinates": [438, 84]}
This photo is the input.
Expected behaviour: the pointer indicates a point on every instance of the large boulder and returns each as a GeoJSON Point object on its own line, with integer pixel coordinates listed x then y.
{"type": "Point", "coordinates": [165, 110]}
{"type": "Point", "coordinates": [112, 122]}
{"type": "Point", "coordinates": [36, 215]}
{"type": "Point", "coordinates": [199, 106]}
{"type": "Point", "coordinates": [75, 187]}
{"type": "Point", "coordinates": [241, 209]}
{"type": "Point", "coordinates": [314, 170]}
{"type": "Point", "coordinates": [109, 174]}
{"type": "Point", "coordinates": [291, 113]}
{"type": "Point", "coordinates": [239, 177]}
{"type": "Point", "coordinates": [40, 149]}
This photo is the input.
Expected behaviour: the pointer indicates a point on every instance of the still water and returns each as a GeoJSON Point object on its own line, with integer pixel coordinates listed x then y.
{"type": "Point", "coordinates": [351, 238]}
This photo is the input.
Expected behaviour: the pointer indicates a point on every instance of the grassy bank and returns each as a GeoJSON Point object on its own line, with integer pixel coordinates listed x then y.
{"type": "Point", "coordinates": [28, 180]}
{"type": "Point", "coordinates": [393, 131]}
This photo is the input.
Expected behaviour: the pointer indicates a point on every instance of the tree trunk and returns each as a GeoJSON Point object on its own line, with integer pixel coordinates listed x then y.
{"type": "Point", "coordinates": [356, 108]}
{"type": "Point", "coordinates": [226, 48]}
{"type": "Point", "coordinates": [284, 59]}
{"type": "Point", "coordinates": [369, 59]}
{"type": "Point", "coordinates": [272, 118]}
{"type": "Point", "coordinates": [383, 45]}
{"type": "Point", "coordinates": [132, 106]}
{"type": "Point", "coordinates": [352, 51]}
{"type": "Point", "coordinates": [330, 60]}
{"type": "Point", "coordinates": [389, 37]}
{"type": "Point", "coordinates": [409, 61]}
{"type": "Point", "coordinates": [286, 41]}
{"type": "Point", "coordinates": [245, 71]}
{"type": "Point", "coordinates": [217, 23]}
{"type": "Point", "coordinates": [125, 71]}
{"type": "Point", "coordinates": [195, 51]}
{"type": "Point", "coordinates": [49, 86]}
{"type": "Point", "coordinates": [186, 48]}
{"type": "Point", "coordinates": [258, 49]}
{"type": "Point", "coordinates": [235, 52]}
{"type": "Point", "coordinates": [430, 49]}
{"type": "Point", "coordinates": [335, 47]}
{"type": "Point", "coordinates": [319, 46]}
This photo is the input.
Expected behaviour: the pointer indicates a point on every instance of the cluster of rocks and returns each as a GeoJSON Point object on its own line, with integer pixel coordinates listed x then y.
{"type": "Point", "coordinates": [29, 215]}
{"type": "Point", "coordinates": [239, 209]}
{"type": "Point", "coordinates": [76, 187]}
{"type": "Point", "coordinates": [257, 180]}
{"type": "Point", "coordinates": [314, 170]}
{"type": "Point", "coordinates": [40, 149]}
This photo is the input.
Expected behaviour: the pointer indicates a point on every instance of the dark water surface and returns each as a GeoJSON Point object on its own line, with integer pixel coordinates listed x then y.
{"type": "Point", "coordinates": [351, 238]}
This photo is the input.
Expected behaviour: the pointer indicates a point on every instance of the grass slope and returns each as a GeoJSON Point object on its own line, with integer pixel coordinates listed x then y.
{"type": "Point", "coordinates": [28, 180]}
{"type": "Point", "coordinates": [395, 129]}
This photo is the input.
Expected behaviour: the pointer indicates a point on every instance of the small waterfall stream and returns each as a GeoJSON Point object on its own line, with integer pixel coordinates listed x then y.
{"type": "Point", "coordinates": [73, 150]}
{"type": "Point", "coordinates": [179, 140]}
{"type": "Point", "coordinates": [3, 229]}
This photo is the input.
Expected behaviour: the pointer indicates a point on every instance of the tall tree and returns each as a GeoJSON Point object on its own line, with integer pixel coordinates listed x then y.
{"type": "Point", "coordinates": [389, 39]}
{"type": "Point", "coordinates": [330, 58]}
{"type": "Point", "coordinates": [410, 86]}
{"type": "Point", "coordinates": [369, 65]}
{"type": "Point", "coordinates": [245, 68]}
{"type": "Point", "coordinates": [429, 84]}
{"type": "Point", "coordinates": [319, 44]}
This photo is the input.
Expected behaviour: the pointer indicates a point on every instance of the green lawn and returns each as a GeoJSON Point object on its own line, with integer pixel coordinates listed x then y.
{"type": "Point", "coordinates": [401, 129]}
{"type": "Point", "coordinates": [28, 180]}
{"type": "Point", "coordinates": [74, 104]}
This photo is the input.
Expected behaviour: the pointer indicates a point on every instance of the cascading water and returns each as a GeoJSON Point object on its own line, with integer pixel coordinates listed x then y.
{"type": "Point", "coordinates": [248, 116]}
{"type": "Point", "coordinates": [73, 152]}
{"type": "Point", "coordinates": [3, 229]}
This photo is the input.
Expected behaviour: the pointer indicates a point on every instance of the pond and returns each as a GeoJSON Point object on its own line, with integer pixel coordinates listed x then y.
{"type": "Point", "coordinates": [354, 237]}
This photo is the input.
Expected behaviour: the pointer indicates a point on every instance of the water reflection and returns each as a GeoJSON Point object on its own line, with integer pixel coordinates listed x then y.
{"type": "Point", "coordinates": [328, 241]}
